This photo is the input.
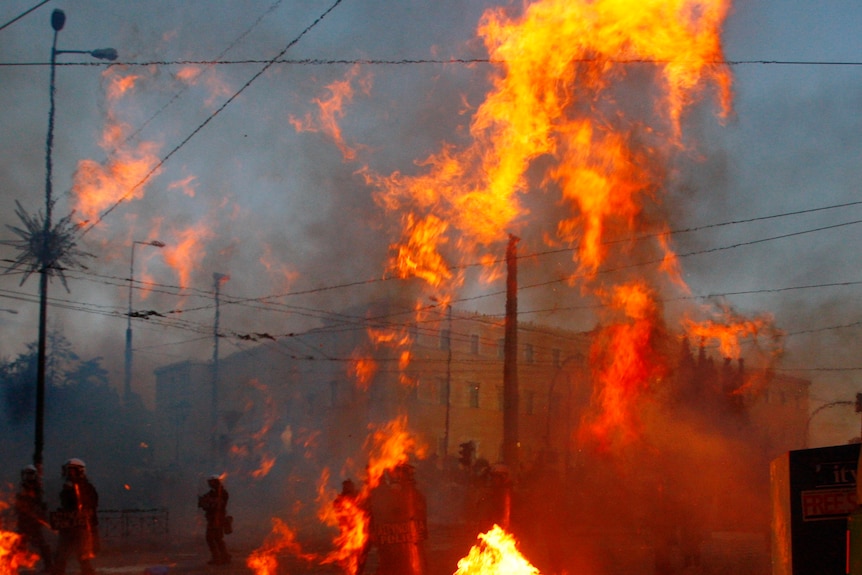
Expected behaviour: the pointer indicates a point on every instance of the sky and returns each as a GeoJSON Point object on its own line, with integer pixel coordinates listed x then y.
{"type": "Point", "coordinates": [268, 172]}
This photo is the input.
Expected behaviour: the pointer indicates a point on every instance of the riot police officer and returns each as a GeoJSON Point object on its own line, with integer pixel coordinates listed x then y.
{"type": "Point", "coordinates": [76, 521]}
{"type": "Point", "coordinates": [31, 514]}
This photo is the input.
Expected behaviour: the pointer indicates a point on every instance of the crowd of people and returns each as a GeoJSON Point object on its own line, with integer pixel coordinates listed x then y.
{"type": "Point", "coordinates": [76, 520]}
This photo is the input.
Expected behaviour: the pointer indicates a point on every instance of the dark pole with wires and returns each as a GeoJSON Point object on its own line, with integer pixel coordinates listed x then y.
{"type": "Point", "coordinates": [49, 245]}
{"type": "Point", "coordinates": [218, 279]}
{"type": "Point", "coordinates": [58, 19]}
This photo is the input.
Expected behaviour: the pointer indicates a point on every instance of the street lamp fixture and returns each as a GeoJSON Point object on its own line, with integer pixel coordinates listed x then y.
{"type": "Point", "coordinates": [127, 387]}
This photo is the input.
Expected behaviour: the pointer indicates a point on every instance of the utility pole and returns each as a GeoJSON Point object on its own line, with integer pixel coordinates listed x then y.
{"type": "Point", "coordinates": [218, 279]}
{"type": "Point", "coordinates": [859, 408]}
{"type": "Point", "coordinates": [448, 380]}
{"type": "Point", "coordinates": [510, 360]}
{"type": "Point", "coordinates": [127, 375]}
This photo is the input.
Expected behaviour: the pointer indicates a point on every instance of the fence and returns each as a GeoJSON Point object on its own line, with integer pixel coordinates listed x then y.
{"type": "Point", "coordinates": [121, 523]}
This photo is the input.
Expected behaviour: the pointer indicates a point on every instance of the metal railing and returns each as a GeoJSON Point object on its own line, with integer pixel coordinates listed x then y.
{"type": "Point", "coordinates": [121, 523]}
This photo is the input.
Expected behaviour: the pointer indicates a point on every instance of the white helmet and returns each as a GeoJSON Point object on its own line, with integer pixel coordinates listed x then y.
{"type": "Point", "coordinates": [74, 464]}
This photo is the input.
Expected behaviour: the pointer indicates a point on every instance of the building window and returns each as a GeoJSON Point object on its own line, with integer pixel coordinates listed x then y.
{"type": "Point", "coordinates": [501, 348]}
{"type": "Point", "coordinates": [445, 339]}
{"type": "Point", "coordinates": [529, 353]}
{"type": "Point", "coordinates": [474, 344]}
{"type": "Point", "coordinates": [473, 395]}
{"type": "Point", "coordinates": [555, 353]}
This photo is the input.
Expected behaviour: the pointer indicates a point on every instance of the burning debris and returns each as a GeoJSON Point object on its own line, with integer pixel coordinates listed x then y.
{"type": "Point", "coordinates": [495, 554]}
{"type": "Point", "coordinates": [12, 556]}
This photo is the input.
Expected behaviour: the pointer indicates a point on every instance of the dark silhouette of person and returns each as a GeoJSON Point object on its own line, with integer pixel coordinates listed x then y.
{"type": "Point", "coordinates": [77, 521]}
{"type": "Point", "coordinates": [31, 513]}
{"type": "Point", "coordinates": [399, 525]}
{"type": "Point", "coordinates": [214, 504]}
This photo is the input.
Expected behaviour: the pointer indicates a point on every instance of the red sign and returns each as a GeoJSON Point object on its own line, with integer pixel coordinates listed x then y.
{"type": "Point", "coordinates": [823, 504]}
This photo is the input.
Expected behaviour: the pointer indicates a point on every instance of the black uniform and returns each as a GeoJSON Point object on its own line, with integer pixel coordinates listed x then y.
{"type": "Point", "coordinates": [214, 504]}
{"type": "Point", "coordinates": [77, 523]}
{"type": "Point", "coordinates": [31, 513]}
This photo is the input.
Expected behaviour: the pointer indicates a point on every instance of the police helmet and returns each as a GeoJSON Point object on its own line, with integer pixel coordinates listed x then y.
{"type": "Point", "coordinates": [75, 467]}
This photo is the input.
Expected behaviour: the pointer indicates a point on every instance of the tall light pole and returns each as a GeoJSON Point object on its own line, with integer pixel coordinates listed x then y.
{"type": "Point", "coordinates": [127, 387]}
{"type": "Point", "coordinates": [448, 390]}
{"type": "Point", "coordinates": [218, 279]}
{"type": "Point", "coordinates": [49, 249]}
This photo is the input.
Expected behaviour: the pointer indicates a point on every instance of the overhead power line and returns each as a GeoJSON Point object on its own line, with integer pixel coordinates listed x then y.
{"type": "Point", "coordinates": [19, 16]}
{"type": "Point", "coordinates": [420, 61]}
{"type": "Point", "coordinates": [209, 118]}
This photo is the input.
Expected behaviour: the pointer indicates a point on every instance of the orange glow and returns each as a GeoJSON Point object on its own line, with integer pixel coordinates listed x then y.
{"type": "Point", "coordinates": [332, 110]}
{"type": "Point", "coordinates": [417, 256]}
{"type": "Point", "coordinates": [350, 515]}
{"type": "Point", "coordinates": [728, 332]}
{"type": "Point", "coordinates": [264, 561]}
{"type": "Point", "coordinates": [559, 63]}
{"type": "Point", "coordinates": [13, 556]}
{"type": "Point", "coordinates": [277, 268]}
{"type": "Point", "coordinates": [98, 186]}
{"type": "Point", "coordinates": [186, 185]}
{"type": "Point", "coordinates": [625, 364]}
{"type": "Point", "coordinates": [266, 464]}
{"type": "Point", "coordinates": [117, 85]}
{"type": "Point", "coordinates": [389, 446]}
{"type": "Point", "coordinates": [185, 251]}
{"type": "Point", "coordinates": [207, 76]}
{"type": "Point", "coordinates": [252, 428]}
{"type": "Point", "coordinates": [361, 369]}
{"type": "Point", "coordinates": [189, 74]}
{"type": "Point", "coordinates": [495, 554]}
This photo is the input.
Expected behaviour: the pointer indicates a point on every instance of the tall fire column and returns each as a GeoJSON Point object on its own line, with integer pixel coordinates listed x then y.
{"type": "Point", "coordinates": [510, 360]}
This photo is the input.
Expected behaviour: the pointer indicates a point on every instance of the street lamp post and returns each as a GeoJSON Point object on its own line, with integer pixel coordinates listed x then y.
{"type": "Point", "coordinates": [218, 279]}
{"type": "Point", "coordinates": [46, 253]}
{"type": "Point", "coordinates": [127, 387]}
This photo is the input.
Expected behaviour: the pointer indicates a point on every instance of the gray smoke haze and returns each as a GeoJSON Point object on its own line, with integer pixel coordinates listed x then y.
{"type": "Point", "coordinates": [283, 211]}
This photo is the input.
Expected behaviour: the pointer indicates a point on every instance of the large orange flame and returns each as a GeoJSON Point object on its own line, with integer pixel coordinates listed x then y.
{"type": "Point", "coordinates": [558, 65]}
{"type": "Point", "coordinates": [388, 446]}
{"type": "Point", "coordinates": [561, 93]}
{"type": "Point", "coordinates": [495, 554]}
{"type": "Point", "coordinates": [625, 363]}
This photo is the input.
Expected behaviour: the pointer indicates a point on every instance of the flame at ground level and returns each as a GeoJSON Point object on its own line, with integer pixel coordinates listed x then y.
{"type": "Point", "coordinates": [495, 554]}
{"type": "Point", "coordinates": [12, 554]}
